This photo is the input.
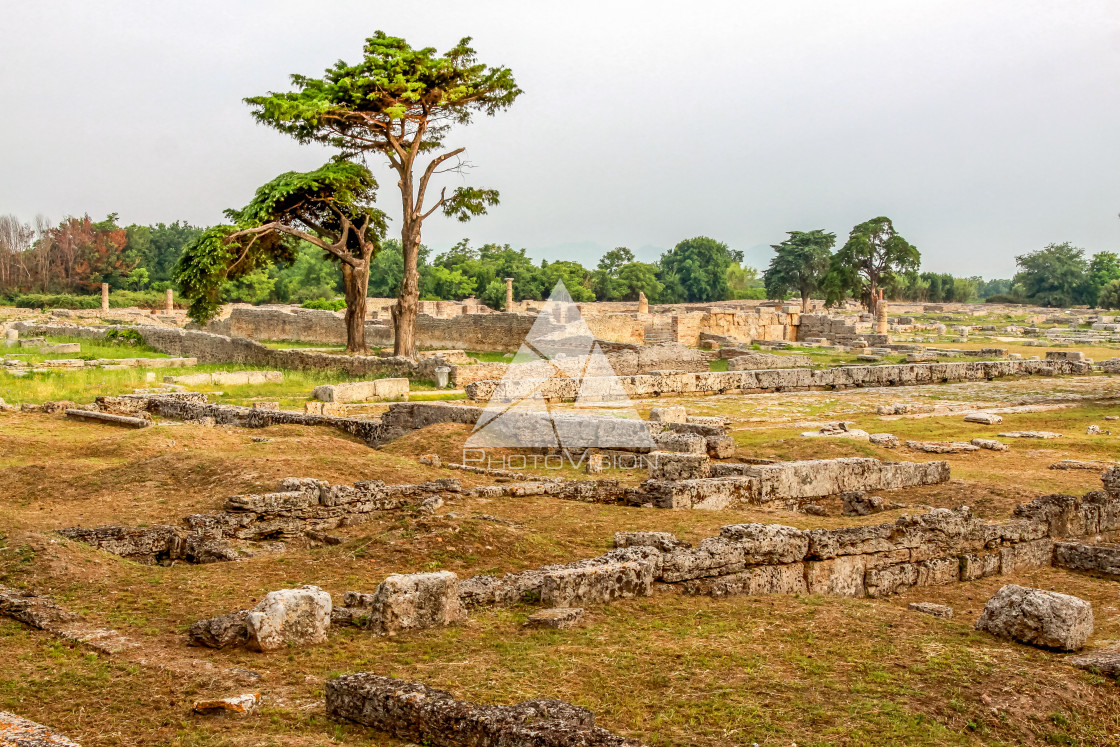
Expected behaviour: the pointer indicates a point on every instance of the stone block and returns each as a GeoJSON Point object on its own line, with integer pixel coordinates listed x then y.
{"type": "Point", "coordinates": [663, 541]}
{"type": "Point", "coordinates": [1025, 556]}
{"type": "Point", "coordinates": [289, 617]}
{"type": "Point", "coordinates": [936, 610]}
{"type": "Point", "coordinates": [596, 584]}
{"type": "Point", "coordinates": [979, 565]}
{"type": "Point", "coordinates": [557, 618]}
{"type": "Point", "coordinates": [665, 465]}
{"type": "Point", "coordinates": [668, 415]}
{"type": "Point", "coordinates": [886, 440]}
{"type": "Point", "coordinates": [222, 631]}
{"type": "Point", "coordinates": [416, 601]}
{"type": "Point", "coordinates": [767, 579]}
{"type": "Point", "coordinates": [1040, 618]}
{"type": "Point", "coordinates": [983, 418]}
{"type": "Point", "coordinates": [1076, 556]}
{"type": "Point", "coordinates": [990, 444]}
{"type": "Point", "coordinates": [720, 447]}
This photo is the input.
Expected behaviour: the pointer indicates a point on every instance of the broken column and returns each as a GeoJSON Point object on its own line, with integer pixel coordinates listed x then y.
{"type": "Point", "coordinates": [880, 314]}
{"type": "Point", "coordinates": [104, 296]}
{"type": "Point", "coordinates": [170, 301]}
{"type": "Point", "coordinates": [509, 294]}
{"type": "Point", "coordinates": [643, 303]}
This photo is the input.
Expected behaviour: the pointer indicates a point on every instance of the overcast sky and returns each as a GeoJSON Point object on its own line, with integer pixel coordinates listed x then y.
{"type": "Point", "coordinates": [983, 129]}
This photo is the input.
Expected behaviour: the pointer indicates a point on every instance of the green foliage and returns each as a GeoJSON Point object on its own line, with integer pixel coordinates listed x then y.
{"type": "Point", "coordinates": [799, 265]}
{"type": "Point", "coordinates": [575, 278]}
{"type": "Point", "coordinates": [117, 300]}
{"type": "Point", "coordinates": [128, 337]}
{"type": "Point", "coordinates": [1104, 268]}
{"type": "Point", "coordinates": [1054, 276]}
{"type": "Point", "coordinates": [1109, 296]}
{"type": "Point", "coordinates": [323, 304]}
{"type": "Point", "coordinates": [873, 257]}
{"type": "Point", "coordinates": [314, 274]}
{"type": "Point", "coordinates": [696, 270]}
{"type": "Point", "coordinates": [639, 277]}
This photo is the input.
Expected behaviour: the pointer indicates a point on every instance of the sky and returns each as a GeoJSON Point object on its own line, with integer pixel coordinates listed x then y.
{"type": "Point", "coordinates": [984, 130]}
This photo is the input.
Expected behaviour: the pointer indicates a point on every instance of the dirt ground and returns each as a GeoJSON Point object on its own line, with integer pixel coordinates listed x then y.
{"type": "Point", "coordinates": [667, 669]}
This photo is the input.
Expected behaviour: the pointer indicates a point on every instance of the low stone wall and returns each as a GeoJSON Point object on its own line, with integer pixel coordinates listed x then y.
{"type": "Point", "coordinates": [417, 713]}
{"type": "Point", "coordinates": [788, 380]}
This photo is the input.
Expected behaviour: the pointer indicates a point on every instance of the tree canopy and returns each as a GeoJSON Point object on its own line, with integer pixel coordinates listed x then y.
{"type": "Point", "coordinates": [799, 265]}
{"type": "Point", "coordinates": [1053, 276]}
{"type": "Point", "coordinates": [696, 270]}
{"type": "Point", "coordinates": [874, 255]}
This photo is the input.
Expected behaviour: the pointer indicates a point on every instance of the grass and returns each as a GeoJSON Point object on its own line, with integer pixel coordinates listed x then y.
{"type": "Point", "coordinates": [668, 669]}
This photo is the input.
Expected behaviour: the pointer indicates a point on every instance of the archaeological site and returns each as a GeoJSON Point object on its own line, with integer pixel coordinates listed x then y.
{"type": "Point", "coordinates": [431, 400]}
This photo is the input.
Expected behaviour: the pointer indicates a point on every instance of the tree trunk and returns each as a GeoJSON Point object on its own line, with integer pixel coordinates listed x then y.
{"type": "Point", "coordinates": [805, 302]}
{"type": "Point", "coordinates": [408, 301]}
{"type": "Point", "coordinates": [356, 284]}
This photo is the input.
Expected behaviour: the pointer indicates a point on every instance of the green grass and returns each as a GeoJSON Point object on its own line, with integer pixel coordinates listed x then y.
{"type": "Point", "coordinates": [294, 345]}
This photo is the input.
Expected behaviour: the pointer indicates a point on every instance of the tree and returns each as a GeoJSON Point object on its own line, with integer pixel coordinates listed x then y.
{"type": "Point", "coordinates": [605, 278]}
{"type": "Point", "coordinates": [1053, 276]}
{"type": "Point", "coordinates": [639, 277]}
{"type": "Point", "coordinates": [799, 265]}
{"type": "Point", "coordinates": [331, 208]}
{"type": "Point", "coordinates": [574, 275]}
{"type": "Point", "coordinates": [695, 270]}
{"type": "Point", "coordinates": [871, 258]}
{"type": "Point", "coordinates": [400, 102]}
{"type": "Point", "coordinates": [1104, 267]}
{"type": "Point", "coordinates": [1109, 297]}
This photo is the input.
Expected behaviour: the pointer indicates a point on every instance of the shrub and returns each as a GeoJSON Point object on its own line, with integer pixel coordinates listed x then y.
{"type": "Point", "coordinates": [323, 304]}
{"type": "Point", "coordinates": [128, 337]}
{"type": "Point", "coordinates": [119, 299]}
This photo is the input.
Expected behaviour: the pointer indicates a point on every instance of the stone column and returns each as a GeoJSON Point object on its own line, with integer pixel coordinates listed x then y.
{"type": "Point", "coordinates": [880, 314]}
{"type": "Point", "coordinates": [509, 294]}
{"type": "Point", "coordinates": [643, 303]}
{"type": "Point", "coordinates": [104, 296]}
{"type": "Point", "coordinates": [170, 300]}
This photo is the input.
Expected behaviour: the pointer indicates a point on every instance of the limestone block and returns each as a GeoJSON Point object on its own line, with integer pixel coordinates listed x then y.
{"type": "Point", "coordinates": [1025, 556]}
{"type": "Point", "coordinates": [664, 541]}
{"type": "Point", "coordinates": [990, 444]}
{"type": "Point", "coordinates": [720, 447]}
{"type": "Point", "coordinates": [1105, 661]}
{"type": "Point", "coordinates": [557, 618]}
{"type": "Point", "coordinates": [890, 579]}
{"type": "Point", "coordinates": [979, 565]}
{"type": "Point", "coordinates": [685, 443]}
{"type": "Point", "coordinates": [1040, 618]}
{"type": "Point", "coordinates": [941, 447]}
{"type": "Point", "coordinates": [596, 584]}
{"type": "Point", "coordinates": [416, 601]}
{"type": "Point", "coordinates": [936, 610]}
{"type": "Point", "coordinates": [886, 440]}
{"type": "Point", "coordinates": [1076, 556]}
{"type": "Point", "coordinates": [222, 631]}
{"type": "Point", "coordinates": [739, 546]}
{"type": "Point", "coordinates": [289, 616]}
{"type": "Point", "coordinates": [984, 418]}
{"type": "Point", "coordinates": [668, 415]}
{"type": "Point", "coordinates": [767, 579]}
{"type": "Point", "coordinates": [665, 465]}
{"type": "Point", "coordinates": [1030, 434]}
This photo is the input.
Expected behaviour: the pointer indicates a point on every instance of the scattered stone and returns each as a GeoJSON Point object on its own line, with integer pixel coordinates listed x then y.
{"type": "Point", "coordinates": [859, 503]}
{"type": "Point", "coordinates": [1075, 464]}
{"type": "Point", "coordinates": [1040, 618]}
{"type": "Point", "coordinates": [432, 460]}
{"type": "Point", "coordinates": [984, 418]}
{"type": "Point", "coordinates": [941, 447]}
{"type": "Point", "coordinates": [289, 616]}
{"type": "Point", "coordinates": [431, 504]}
{"type": "Point", "coordinates": [663, 541]}
{"type": "Point", "coordinates": [239, 705]}
{"type": "Point", "coordinates": [929, 608]}
{"type": "Point", "coordinates": [222, 631]}
{"type": "Point", "coordinates": [19, 732]}
{"type": "Point", "coordinates": [1105, 661]}
{"type": "Point", "coordinates": [1093, 430]}
{"type": "Point", "coordinates": [559, 618]}
{"type": "Point", "coordinates": [813, 509]}
{"type": "Point", "coordinates": [414, 602]}
{"type": "Point", "coordinates": [886, 440]}
{"type": "Point", "coordinates": [990, 444]}
{"type": "Point", "coordinates": [837, 430]}
{"type": "Point", "coordinates": [260, 440]}
{"type": "Point", "coordinates": [1030, 434]}
{"type": "Point", "coordinates": [104, 417]}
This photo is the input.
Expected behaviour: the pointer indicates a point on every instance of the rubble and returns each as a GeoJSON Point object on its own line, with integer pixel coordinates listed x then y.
{"type": "Point", "coordinates": [990, 444]}
{"type": "Point", "coordinates": [1040, 618]}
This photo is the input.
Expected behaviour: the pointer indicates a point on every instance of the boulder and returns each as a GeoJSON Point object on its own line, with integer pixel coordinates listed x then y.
{"type": "Point", "coordinates": [221, 631]}
{"type": "Point", "coordinates": [415, 601]}
{"type": "Point", "coordinates": [289, 616]}
{"type": "Point", "coordinates": [1040, 618]}
{"type": "Point", "coordinates": [886, 440]}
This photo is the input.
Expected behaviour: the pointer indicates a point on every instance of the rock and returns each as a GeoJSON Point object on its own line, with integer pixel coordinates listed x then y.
{"type": "Point", "coordinates": [289, 616]}
{"type": "Point", "coordinates": [666, 465]}
{"type": "Point", "coordinates": [1030, 434]}
{"type": "Point", "coordinates": [19, 732]}
{"type": "Point", "coordinates": [984, 418]}
{"type": "Point", "coordinates": [597, 584]}
{"type": "Point", "coordinates": [1040, 618]}
{"type": "Point", "coordinates": [668, 415]}
{"type": "Point", "coordinates": [929, 608]}
{"type": "Point", "coordinates": [837, 430]}
{"type": "Point", "coordinates": [813, 509]}
{"type": "Point", "coordinates": [239, 705]}
{"type": "Point", "coordinates": [431, 504]}
{"type": "Point", "coordinates": [720, 447]}
{"type": "Point", "coordinates": [663, 541]}
{"type": "Point", "coordinates": [941, 447]}
{"type": "Point", "coordinates": [595, 463]}
{"type": "Point", "coordinates": [886, 440]}
{"type": "Point", "coordinates": [859, 503]}
{"type": "Point", "coordinates": [415, 601]}
{"type": "Point", "coordinates": [559, 618]}
{"type": "Point", "coordinates": [432, 460]}
{"type": "Point", "coordinates": [1075, 464]}
{"type": "Point", "coordinates": [990, 444]}
{"type": "Point", "coordinates": [30, 609]}
{"type": "Point", "coordinates": [221, 631]}
{"type": "Point", "coordinates": [1105, 661]}
{"type": "Point", "coordinates": [1093, 430]}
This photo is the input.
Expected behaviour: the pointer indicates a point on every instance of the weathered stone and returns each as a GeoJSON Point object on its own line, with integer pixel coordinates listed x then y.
{"type": "Point", "coordinates": [414, 602]}
{"type": "Point", "coordinates": [19, 732]}
{"type": "Point", "coordinates": [979, 565]}
{"type": "Point", "coordinates": [990, 444]}
{"type": "Point", "coordinates": [768, 579]}
{"type": "Point", "coordinates": [738, 547]}
{"type": "Point", "coordinates": [720, 447]}
{"type": "Point", "coordinates": [941, 447]}
{"type": "Point", "coordinates": [859, 503]}
{"type": "Point", "coordinates": [289, 616]}
{"type": "Point", "coordinates": [1067, 464]}
{"type": "Point", "coordinates": [358, 391]}
{"type": "Point", "coordinates": [663, 541]}
{"type": "Point", "coordinates": [103, 417]}
{"type": "Point", "coordinates": [558, 618]}
{"type": "Point", "coordinates": [1040, 618]}
{"type": "Point", "coordinates": [984, 418]}
{"type": "Point", "coordinates": [1105, 661]}
{"type": "Point", "coordinates": [1030, 434]}
{"type": "Point", "coordinates": [31, 609]}
{"type": "Point", "coordinates": [886, 440]}
{"type": "Point", "coordinates": [668, 415]}
{"type": "Point", "coordinates": [417, 713]}
{"type": "Point", "coordinates": [238, 705]}
{"type": "Point", "coordinates": [929, 608]}
{"type": "Point", "coordinates": [665, 465]}
{"type": "Point", "coordinates": [684, 443]}
{"type": "Point", "coordinates": [222, 631]}
{"type": "Point", "coordinates": [596, 584]}
{"type": "Point", "coordinates": [1076, 556]}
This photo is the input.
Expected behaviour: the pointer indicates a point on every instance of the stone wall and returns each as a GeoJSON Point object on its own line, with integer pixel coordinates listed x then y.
{"type": "Point", "coordinates": [787, 380]}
